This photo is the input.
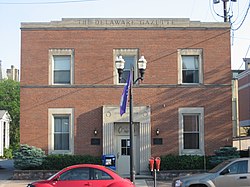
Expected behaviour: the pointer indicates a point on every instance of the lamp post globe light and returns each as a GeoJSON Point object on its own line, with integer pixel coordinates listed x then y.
{"type": "Point", "coordinates": [142, 64]}
{"type": "Point", "coordinates": [119, 64]}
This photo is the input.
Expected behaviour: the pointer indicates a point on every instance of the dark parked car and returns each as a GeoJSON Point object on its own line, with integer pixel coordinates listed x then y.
{"type": "Point", "coordinates": [84, 175]}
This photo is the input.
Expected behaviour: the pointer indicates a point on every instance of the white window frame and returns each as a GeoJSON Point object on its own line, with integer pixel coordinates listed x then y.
{"type": "Point", "coordinates": [190, 52]}
{"type": "Point", "coordinates": [123, 53]}
{"type": "Point", "coordinates": [60, 111]}
{"type": "Point", "coordinates": [60, 52]}
{"type": "Point", "coordinates": [195, 111]}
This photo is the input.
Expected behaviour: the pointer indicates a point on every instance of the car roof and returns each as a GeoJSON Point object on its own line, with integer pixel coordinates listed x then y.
{"type": "Point", "coordinates": [87, 165]}
{"type": "Point", "coordinates": [244, 158]}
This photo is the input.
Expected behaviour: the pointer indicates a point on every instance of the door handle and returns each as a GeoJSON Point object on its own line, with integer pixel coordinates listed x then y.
{"type": "Point", "coordinates": [243, 177]}
{"type": "Point", "coordinates": [118, 155]}
{"type": "Point", "coordinates": [88, 184]}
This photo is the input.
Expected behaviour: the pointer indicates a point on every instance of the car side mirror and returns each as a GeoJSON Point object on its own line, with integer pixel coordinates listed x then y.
{"type": "Point", "coordinates": [225, 171]}
{"type": "Point", "coordinates": [56, 179]}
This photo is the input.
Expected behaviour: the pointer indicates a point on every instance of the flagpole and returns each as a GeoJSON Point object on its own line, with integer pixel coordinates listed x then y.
{"type": "Point", "coordinates": [131, 127]}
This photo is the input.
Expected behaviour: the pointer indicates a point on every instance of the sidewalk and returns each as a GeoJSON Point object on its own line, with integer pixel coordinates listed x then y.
{"type": "Point", "coordinates": [6, 172]}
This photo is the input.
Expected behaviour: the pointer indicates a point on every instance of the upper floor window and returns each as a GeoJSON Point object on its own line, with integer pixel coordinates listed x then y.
{"type": "Point", "coordinates": [190, 66]}
{"type": "Point", "coordinates": [191, 125]}
{"type": "Point", "coordinates": [61, 66]}
{"type": "Point", "coordinates": [131, 57]}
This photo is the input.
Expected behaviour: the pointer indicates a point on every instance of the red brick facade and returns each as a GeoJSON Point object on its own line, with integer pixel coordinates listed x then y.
{"type": "Point", "coordinates": [244, 98]}
{"type": "Point", "coordinates": [94, 84]}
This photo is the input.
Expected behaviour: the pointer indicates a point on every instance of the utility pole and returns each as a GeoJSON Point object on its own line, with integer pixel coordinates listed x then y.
{"type": "Point", "coordinates": [225, 10]}
{"type": "Point", "coordinates": [225, 13]}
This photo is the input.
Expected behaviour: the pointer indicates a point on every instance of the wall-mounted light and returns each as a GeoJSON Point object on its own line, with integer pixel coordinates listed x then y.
{"type": "Point", "coordinates": [157, 131]}
{"type": "Point", "coordinates": [95, 132]}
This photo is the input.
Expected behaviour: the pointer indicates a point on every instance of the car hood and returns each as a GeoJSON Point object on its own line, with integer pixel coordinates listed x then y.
{"type": "Point", "coordinates": [198, 177]}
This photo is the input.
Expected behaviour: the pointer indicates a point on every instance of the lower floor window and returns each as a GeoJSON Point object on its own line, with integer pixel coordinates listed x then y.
{"type": "Point", "coordinates": [61, 128]}
{"type": "Point", "coordinates": [61, 132]}
{"type": "Point", "coordinates": [191, 133]}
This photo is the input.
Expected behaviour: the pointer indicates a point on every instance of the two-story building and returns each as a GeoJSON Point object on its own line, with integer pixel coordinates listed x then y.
{"type": "Point", "coordinates": [70, 91]}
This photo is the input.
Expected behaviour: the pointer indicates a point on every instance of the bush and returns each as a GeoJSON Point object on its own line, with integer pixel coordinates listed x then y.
{"type": "Point", "coordinates": [8, 153]}
{"type": "Point", "coordinates": [183, 162]}
{"type": "Point", "coordinates": [244, 153]}
{"type": "Point", "coordinates": [58, 162]}
{"type": "Point", "coordinates": [224, 153]}
{"type": "Point", "coordinates": [28, 157]}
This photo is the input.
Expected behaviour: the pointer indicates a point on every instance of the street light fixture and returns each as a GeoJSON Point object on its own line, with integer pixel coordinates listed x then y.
{"type": "Point", "coordinates": [119, 64]}
{"type": "Point", "coordinates": [142, 64]}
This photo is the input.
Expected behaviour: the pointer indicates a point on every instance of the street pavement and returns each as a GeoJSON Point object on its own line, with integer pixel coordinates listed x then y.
{"type": "Point", "coordinates": [6, 172]}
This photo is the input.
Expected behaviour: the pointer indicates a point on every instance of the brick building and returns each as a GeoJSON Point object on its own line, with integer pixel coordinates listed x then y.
{"type": "Point", "coordinates": [244, 95]}
{"type": "Point", "coordinates": [70, 92]}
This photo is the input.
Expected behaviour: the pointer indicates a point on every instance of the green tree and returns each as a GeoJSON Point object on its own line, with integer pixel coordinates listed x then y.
{"type": "Point", "coordinates": [10, 101]}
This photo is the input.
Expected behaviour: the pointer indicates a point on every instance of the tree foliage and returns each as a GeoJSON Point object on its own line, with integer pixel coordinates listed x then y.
{"type": "Point", "coordinates": [10, 101]}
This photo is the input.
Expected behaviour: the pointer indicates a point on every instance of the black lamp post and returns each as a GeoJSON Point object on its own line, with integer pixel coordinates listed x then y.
{"type": "Point", "coordinates": [120, 62]}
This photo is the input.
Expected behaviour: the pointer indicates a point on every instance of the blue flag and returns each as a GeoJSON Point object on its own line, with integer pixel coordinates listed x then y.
{"type": "Point", "coordinates": [124, 97]}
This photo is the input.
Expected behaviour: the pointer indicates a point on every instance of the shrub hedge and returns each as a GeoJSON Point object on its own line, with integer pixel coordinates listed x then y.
{"type": "Point", "coordinates": [183, 162]}
{"type": "Point", "coordinates": [30, 157]}
{"type": "Point", "coordinates": [58, 162]}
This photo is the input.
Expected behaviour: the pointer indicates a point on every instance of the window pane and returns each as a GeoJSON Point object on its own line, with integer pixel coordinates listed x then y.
{"type": "Point", "coordinates": [124, 151]}
{"type": "Point", "coordinates": [61, 62]}
{"type": "Point", "coordinates": [61, 141]}
{"type": "Point", "coordinates": [62, 76]}
{"type": "Point", "coordinates": [129, 62]}
{"type": "Point", "coordinates": [65, 124]}
{"type": "Point", "coordinates": [190, 62]}
{"type": "Point", "coordinates": [191, 140]}
{"type": "Point", "coordinates": [191, 123]}
{"type": "Point", "coordinates": [190, 69]}
{"type": "Point", "coordinates": [123, 143]}
{"type": "Point", "coordinates": [62, 69]}
{"type": "Point", "coordinates": [190, 76]}
{"type": "Point", "coordinates": [57, 124]}
{"type": "Point", "coordinates": [128, 151]}
{"type": "Point", "coordinates": [125, 76]}
{"type": "Point", "coordinates": [76, 174]}
{"type": "Point", "coordinates": [100, 175]}
{"type": "Point", "coordinates": [243, 167]}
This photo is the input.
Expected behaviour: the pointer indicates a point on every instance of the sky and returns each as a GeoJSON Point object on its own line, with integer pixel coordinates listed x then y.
{"type": "Point", "coordinates": [13, 12]}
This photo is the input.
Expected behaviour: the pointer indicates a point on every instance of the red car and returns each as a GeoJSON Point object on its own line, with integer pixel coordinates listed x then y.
{"type": "Point", "coordinates": [84, 175]}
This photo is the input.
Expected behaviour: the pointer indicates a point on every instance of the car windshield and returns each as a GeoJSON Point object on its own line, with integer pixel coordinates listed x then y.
{"type": "Point", "coordinates": [220, 166]}
{"type": "Point", "coordinates": [53, 176]}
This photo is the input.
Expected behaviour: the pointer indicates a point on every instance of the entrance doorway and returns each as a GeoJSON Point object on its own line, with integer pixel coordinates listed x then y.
{"type": "Point", "coordinates": [122, 140]}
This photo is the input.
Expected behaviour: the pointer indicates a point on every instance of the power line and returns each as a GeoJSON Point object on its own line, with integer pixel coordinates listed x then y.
{"type": "Point", "coordinates": [44, 3]}
{"type": "Point", "coordinates": [247, 51]}
{"type": "Point", "coordinates": [245, 57]}
{"type": "Point", "coordinates": [243, 18]}
{"type": "Point", "coordinates": [162, 55]}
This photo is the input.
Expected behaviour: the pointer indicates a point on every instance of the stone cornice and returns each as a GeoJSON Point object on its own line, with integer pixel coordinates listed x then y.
{"type": "Point", "coordinates": [116, 23]}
